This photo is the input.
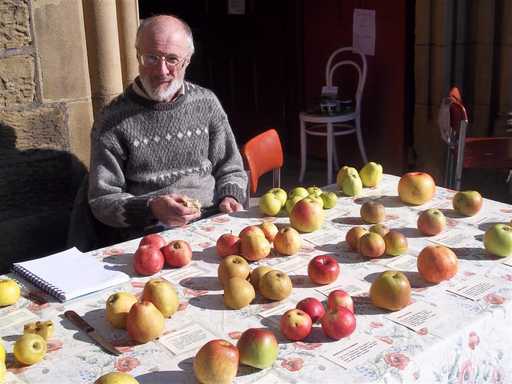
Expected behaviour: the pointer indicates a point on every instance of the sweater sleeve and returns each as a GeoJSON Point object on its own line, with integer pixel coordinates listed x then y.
{"type": "Point", "coordinates": [108, 199]}
{"type": "Point", "coordinates": [228, 168]}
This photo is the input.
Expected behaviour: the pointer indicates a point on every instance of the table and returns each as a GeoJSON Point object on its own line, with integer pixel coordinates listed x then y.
{"type": "Point", "coordinates": [468, 343]}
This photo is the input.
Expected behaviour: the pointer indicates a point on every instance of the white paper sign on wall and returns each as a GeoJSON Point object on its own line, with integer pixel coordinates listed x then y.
{"type": "Point", "coordinates": [363, 34]}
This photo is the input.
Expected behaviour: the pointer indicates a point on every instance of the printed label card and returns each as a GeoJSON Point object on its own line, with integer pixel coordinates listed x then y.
{"type": "Point", "coordinates": [474, 288]}
{"type": "Point", "coordinates": [417, 316]}
{"type": "Point", "coordinates": [356, 350]}
{"type": "Point", "coordinates": [186, 339]}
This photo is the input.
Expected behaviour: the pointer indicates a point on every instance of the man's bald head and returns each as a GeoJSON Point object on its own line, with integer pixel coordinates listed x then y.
{"type": "Point", "coordinates": [163, 25]}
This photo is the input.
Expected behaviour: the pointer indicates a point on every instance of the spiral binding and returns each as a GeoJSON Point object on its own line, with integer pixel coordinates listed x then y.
{"type": "Point", "coordinates": [40, 283]}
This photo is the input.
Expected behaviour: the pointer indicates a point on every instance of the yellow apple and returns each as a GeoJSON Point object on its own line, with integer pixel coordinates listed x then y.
{"type": "Point", "coordinates": [29, 349]}
{"type": "Point", "coordinates": [256, 275]}
{"type": "Point", "coordinates": [117, 307]}
{"type": "Point", "coordinates": [163, 295]}
{"type": "Point", "coordinates": [9, 292]}
{"type": "Point", "coordinates": [238, 293]}
{"type": "Point", "coordinates": [44, 329]}
{"type": "Point", "coordinates": [371, 174]}
{"type": "Point", "coordinates": [275, 285]}
{"type": "Point", "coordinates": [2, 354]}
{"type": "Point", "coordinates": [116, 378]}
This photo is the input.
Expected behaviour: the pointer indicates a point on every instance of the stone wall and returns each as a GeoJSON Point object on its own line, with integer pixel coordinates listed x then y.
{"type": "Point", "coordinates": [45, 121]}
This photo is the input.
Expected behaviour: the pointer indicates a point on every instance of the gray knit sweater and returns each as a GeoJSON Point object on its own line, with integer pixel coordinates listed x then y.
{"type": "Point", "coordinates": [141, 148]}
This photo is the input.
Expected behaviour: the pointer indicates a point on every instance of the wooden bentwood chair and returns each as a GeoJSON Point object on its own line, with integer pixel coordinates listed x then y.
{"type": "Point", "coordinates": [468, 152]}
{"type": "Point", "coordinates": [262, 154]}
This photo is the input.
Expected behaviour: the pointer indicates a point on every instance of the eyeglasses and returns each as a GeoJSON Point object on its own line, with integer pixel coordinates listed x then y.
{"type": "Point", "coordinates": [172, 62]}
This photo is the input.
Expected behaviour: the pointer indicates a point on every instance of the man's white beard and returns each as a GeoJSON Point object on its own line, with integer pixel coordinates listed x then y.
{"type": "Point", "coordinates": [163, 95]}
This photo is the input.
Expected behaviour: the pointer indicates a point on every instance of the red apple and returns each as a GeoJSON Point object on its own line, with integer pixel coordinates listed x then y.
{"type": "Point", "coordinates": [323, 269]}
{"type": "Point", "coordinates": [313, 307]}
{"type": "Point", "coordinates": [437, 263]}
{"type": "Point", "coordinates": [353, 235]}
{"type": "Point", "coordinates": [295, 324]}
{"type": "Point", "coordinates": [216, 362]}
{"type": "Point", "coordinates": [339, 299]}
{"type": "Point", "coordinates": [153, 239]}
{"type": "Point", "coordinates": [287, 241]}
{"type": "Point", "coordinates": [307, 215]}
{"type": "Point", "coordinates": [148, 260]}
{"type": "Point", "coordinates": [416, 188]}
{"type": "Point", "coordinates": [228, 244]}
{"type": "Point", "coordinates": [258, 348]}
{"type": "Point", "coordinates": [431, 222]}
{"type": "Point", "coordinates": [338, 323]}
{"type": "Point", "coordinates": [251, 229]}
{"type": "Point", "coordinates": [269, 229]}
{"type": "Point", "coordinates": [177, 253]}
{"type": "Point", "coordinates": [372, 245]}
{"type": "Point", "coordinates": [467, 203]}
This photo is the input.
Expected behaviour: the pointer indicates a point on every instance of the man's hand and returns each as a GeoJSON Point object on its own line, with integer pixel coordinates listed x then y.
{"type": "Point", "coordinates": [171, 211]}
{"type": "Point", "coordinates": [229, 204]}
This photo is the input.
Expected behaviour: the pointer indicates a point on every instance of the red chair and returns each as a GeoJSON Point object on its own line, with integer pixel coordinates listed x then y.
{"type": "Point", "coordinates": [262, 154]}
{"type": "Point", "coordinates": [469, 152]}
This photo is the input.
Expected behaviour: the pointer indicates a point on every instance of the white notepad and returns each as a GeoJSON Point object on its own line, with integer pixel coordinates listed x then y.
{"type": "Point", "coordinates": [69, 274]}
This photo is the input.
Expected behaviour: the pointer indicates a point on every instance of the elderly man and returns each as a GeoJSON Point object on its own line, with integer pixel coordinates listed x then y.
{"type": "Point", "coordinates": [164, 147]}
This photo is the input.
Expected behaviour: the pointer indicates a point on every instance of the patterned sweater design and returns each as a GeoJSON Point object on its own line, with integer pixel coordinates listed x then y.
{"type": "Point", "coordinates": [141, 148]}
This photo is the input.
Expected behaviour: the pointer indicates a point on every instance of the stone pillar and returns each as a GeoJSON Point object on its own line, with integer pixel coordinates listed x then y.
{"type": "Point", "coordinates": [103, 51]}
{"type": "Point", "coordinates": [127, 24]}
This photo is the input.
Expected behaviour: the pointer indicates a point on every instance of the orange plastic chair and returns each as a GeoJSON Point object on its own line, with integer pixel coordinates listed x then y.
{"type": "Point", "coordinates": [471, 152]}
{"type": "Point", "coordinates": [262, 154]}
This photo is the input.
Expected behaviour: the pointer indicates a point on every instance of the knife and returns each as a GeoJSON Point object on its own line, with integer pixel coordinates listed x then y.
{"type": "Point", "coordinates": [83, 325]}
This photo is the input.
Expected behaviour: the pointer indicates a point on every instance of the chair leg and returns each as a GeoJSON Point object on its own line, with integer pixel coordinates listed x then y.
{"type": "Point", "coordinates": [360, 139]}
{"type": "Point", "coordinates": [302, 150]}
{"type": "Point", "coordinates": [335, 156]}
{"type": "Point", "coordinates": [330, 137]}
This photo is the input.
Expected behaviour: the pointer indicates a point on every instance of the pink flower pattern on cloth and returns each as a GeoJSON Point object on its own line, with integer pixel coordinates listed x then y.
{"type": "Point", "coordinates": [396, 360]}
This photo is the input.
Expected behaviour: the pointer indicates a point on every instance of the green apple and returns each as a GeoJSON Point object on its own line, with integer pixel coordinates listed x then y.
{"type": "Point", "coordinates": [342, 173]}
{"type": "Point", "coordinates": [351, 183]}
{"type": "Point", "coordinates": [117, 307]}
{"type": "Point", "coordinates": [329, 199]}
{"type": "Point", "coordinates": [9, 292]}
{"type": "Point", "coordinates": [116, 378]}
{"type": "Point", "coordinates": [314, 191]}
{"type": "Point", "coordinates": [498, 240]}
{"type": "Point", "coordinates": [290, 203]}
{"type": "Point", "coordinates": [298, 191]}
{"type": "Point", "coordinates": [258, 348]}
{"type": "Point", "coordinates": [317, 199]}
{"type": "Point", "coordinates": [280, 193]}
{"type": "Point", "coordinates": [467, 203]}
{"type": "Point", "coordinates": [29, 348]}
{"type": "Point", "coordinates": [270, 204]}
{"type": "Point", "coordinates": [371, 174]}
{"type": "Point", "coordinates": [391, 290]}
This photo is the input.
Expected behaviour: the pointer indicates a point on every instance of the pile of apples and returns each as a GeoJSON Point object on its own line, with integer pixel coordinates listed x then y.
{"type": "Point", "coordinates": [144, 320]}
{"type": "Point", "coordinates": [337, 322]}
{"type": "Point", "coordinates": [218, 360]}
{"type": "Point", "coordinates": [304, 206]}
{"type": "Point", "coordinates": [254, 242]}
{"type": "Point", "coordinates": [240, 284]}
{"type": "Point", "coordinates": [153, 252]}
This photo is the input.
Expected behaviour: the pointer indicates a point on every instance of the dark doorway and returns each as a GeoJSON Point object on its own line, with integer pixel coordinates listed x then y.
{"type": "Point", "coordinates": [252, 61]}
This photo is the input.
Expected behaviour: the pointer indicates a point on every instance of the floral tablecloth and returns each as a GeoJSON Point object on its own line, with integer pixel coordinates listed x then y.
{"type": "Point", "coordinates": [469, 343]}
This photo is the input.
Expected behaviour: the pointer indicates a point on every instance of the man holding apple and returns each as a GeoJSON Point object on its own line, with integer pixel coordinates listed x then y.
{"type": "Point", "coordinates": [163, 143]}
